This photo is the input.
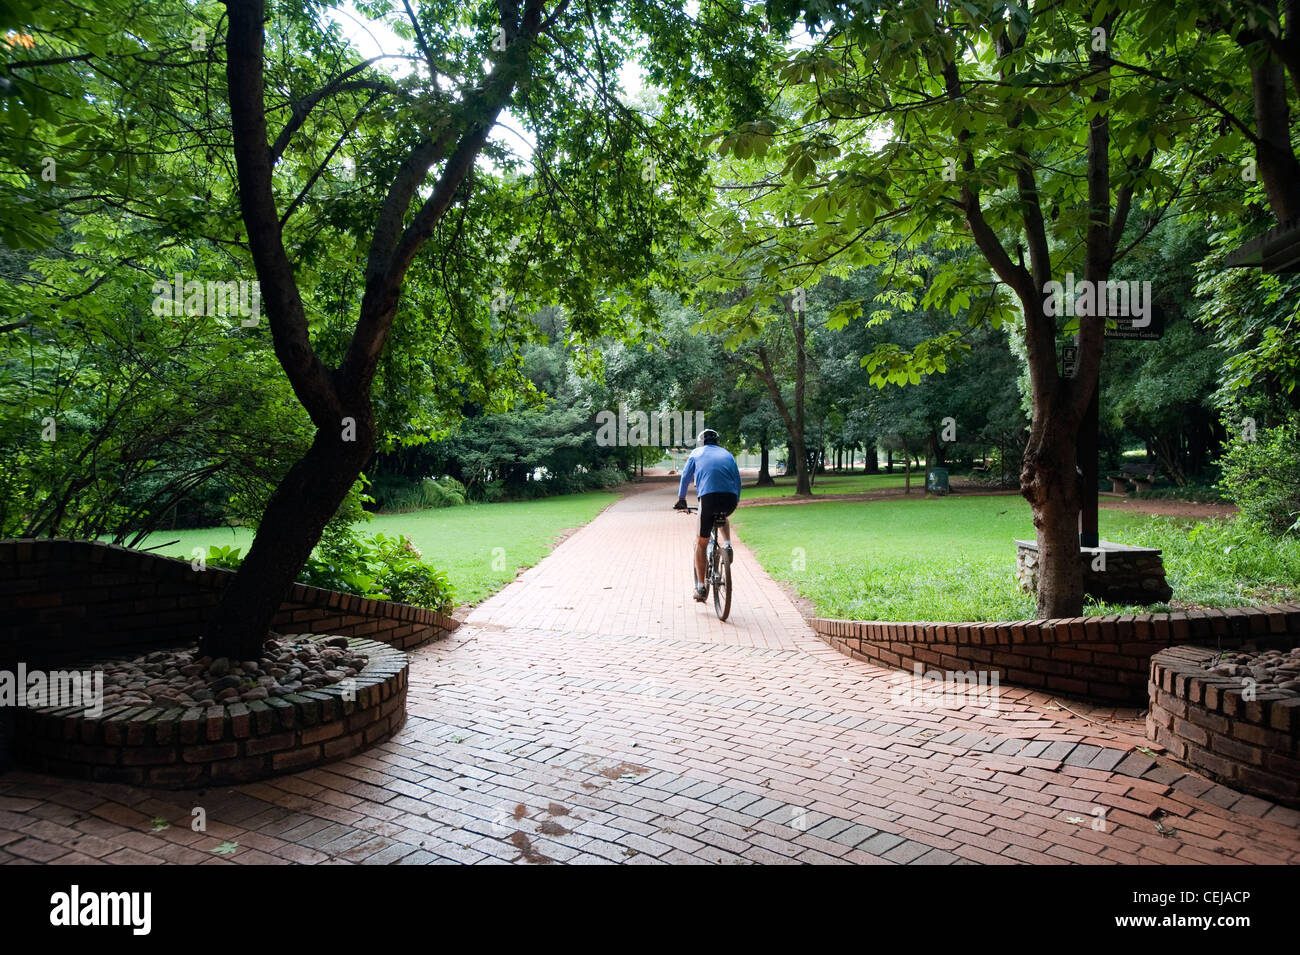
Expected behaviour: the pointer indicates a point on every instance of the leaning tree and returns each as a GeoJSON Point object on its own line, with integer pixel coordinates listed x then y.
{"type": "Point", "coordinates": [603, 189]}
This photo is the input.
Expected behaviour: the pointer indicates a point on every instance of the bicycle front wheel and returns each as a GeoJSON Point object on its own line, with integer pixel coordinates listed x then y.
{"type": "Point", "coordinates": [721, 583]}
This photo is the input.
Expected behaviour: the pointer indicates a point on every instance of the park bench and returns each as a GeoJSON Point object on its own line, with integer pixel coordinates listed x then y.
{"type": "Point", "coordinates": [1141, 474]}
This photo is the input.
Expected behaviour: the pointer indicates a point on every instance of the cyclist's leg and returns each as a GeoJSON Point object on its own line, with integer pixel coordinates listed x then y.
{"type": "Point", "coordinates": [701, 572]}
{"type": "Point", "coordinates": [709, 511]}
{"type": "Point", "coordinates": [724, 526]}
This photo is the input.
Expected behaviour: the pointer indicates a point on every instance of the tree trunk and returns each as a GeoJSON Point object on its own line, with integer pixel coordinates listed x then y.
{"type": "Point", "coordinates": [870, 458]}
{"type": "Point", "coordinates": [764, 475]}
{"type": "Point", "coordinates": [295, 517]}
{"type": "Point", "coordinates": [1048, 482]}
{"type": "Point", "coordinates": [803, 484]}
{"type": "Point", "coordinates": [1278, 167]}
{"type": "Point", "coordinates": [793, 420]}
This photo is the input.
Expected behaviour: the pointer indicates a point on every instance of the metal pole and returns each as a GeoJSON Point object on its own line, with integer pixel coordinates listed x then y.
{"type": "Point", "coordinates": [1087, 453]}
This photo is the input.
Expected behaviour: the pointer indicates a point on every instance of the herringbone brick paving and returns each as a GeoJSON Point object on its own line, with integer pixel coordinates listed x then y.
{"type": "Point", "coordinates": [592, 713]}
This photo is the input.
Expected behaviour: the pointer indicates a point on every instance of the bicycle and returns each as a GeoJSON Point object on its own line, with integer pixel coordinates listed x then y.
{"type": "Point", "coordinates": [717, 567]}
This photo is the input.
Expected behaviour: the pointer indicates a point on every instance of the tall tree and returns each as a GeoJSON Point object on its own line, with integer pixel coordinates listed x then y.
{"type": "Point", "coordinates": [1010, 134]}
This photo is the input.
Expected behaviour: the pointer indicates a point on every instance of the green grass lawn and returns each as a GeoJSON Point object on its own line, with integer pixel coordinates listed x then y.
{"type": "Point", "coordinates": [953, 558]}
{"type": "Point", "coordinates": [835, 484]}
{"type": "Point", "coordinates": [480, 546]}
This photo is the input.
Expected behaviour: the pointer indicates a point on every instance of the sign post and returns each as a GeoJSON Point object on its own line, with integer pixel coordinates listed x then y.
{"type": "Point", "coordinates": [1125, 329]}
{"type": "Point", "coordinates": [1085, 452]}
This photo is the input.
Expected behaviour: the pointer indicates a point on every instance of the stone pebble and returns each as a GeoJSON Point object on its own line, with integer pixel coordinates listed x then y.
{"type": "Point", "coordinates": [1270, 669]}
{"type": "Point", "coordinates": [183, 677]}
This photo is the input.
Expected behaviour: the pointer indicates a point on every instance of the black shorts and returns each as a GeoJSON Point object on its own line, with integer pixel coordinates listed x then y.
{"type": "Point", "coordinates": [715, 506]}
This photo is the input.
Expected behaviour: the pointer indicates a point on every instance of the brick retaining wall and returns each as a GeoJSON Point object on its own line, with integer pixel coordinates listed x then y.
{"type": "Point", "coordinates": [1101, 658]}
{"type": "Point", "coordinates": [1203, 719]}
{"type": "Point", "coordinates": [62, 600]}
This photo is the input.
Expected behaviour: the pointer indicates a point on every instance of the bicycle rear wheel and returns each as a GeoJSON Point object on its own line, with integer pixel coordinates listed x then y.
{"type": "Point", "coordinates": [720, 571]}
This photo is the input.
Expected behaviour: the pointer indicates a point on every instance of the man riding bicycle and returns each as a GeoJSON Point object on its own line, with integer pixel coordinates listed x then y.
{"type": "Point", "coordinates": [717, 488]}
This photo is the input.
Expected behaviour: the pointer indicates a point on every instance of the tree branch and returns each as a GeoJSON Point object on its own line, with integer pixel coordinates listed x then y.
{"type": "Point", "coordinates": [308, 376]}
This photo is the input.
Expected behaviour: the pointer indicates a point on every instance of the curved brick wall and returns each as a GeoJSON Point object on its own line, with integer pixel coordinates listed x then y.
{"type": "Point", "coordinates": [1202, 719]}
{"type": "Point", "coordinates": [65, 600]}
{"type": "Point", "coordinates": [1102, 658]}
{"type": "Point", "coordinates": [183, 748]}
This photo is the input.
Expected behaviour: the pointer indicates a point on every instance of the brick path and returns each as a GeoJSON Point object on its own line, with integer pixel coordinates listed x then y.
{"type": "Point", "coordinates": [591, 713]}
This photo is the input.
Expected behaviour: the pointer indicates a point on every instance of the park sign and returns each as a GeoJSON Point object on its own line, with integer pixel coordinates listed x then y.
{"type": "Point", "coordinates": [1069, 361]}
{"type": "Point", "coordinates": [1129, 305]}
{"type": "Point", "coordinates": [1153, 329]}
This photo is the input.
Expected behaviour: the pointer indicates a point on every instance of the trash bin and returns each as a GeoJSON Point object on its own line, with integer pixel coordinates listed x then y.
{"type": "Point", "coordinates": [936, 481]}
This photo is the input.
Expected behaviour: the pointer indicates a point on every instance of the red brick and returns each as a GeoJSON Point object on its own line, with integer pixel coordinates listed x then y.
{"type": "Point", "coordinates": [302, 756]}
{"type": "Point", "coordinates": [210, 752]}
{"type": "Point", "coordinates": [258, 745]}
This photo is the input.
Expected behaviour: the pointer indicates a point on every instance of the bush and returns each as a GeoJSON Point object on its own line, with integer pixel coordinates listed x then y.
{"type": "Point", "coordinates": [572, 482]}
{"type": "Point", "coordinates": [443, 492]}
{"type": "Point", "coordinates": [380, 568]}
{"type": "Point", "coordinates": [1262, 477]}
{"type": "Point", "coordinates": [225, 557]}
{"type": "Point", "coordinates": [403, 495]}
{"type": "Point", "coordinates": [992, 477]}
{"type": "Point", "coordinates": [605, 478]}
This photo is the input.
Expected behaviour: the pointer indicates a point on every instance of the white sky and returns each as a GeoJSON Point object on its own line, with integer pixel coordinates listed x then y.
{"type": "Point", "coordinates": [371, 38]}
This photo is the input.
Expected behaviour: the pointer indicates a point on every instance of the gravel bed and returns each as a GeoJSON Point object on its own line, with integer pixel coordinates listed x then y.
{"type": "Point", "coordinates": [1270, 669]}
{"type": "Point", "coordinates": [182, 677]}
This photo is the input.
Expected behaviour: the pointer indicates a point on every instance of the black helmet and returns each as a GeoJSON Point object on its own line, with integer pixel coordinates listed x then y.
{"type": "Point", "coordinates": [708, 436]}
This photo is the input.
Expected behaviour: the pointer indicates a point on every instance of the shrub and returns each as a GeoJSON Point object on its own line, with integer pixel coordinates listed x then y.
{"type": "Point", "coordinates": [380, 568]}
{"type": "Point", "coordinates": [605, 478]}
{"type": "Point", "coordinates": [400, 494]}
{"type": "Point", "coordinates": [1263, 476]}
{"type": "Point", "coordinates": [442, 492]}
{"type": "Point", "coordinates": [225, 557]}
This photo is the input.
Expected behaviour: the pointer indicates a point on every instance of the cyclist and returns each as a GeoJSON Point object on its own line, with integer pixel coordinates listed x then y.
{"type": "Point", "coordinates": [717, 488]}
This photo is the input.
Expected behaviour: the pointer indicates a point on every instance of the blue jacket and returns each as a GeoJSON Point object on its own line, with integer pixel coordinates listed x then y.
{"type": "Point", "coordinates": [714, 470]}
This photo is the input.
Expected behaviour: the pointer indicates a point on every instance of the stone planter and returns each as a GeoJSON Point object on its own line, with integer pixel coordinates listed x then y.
{"type": "Point", "coordinates": [1248, 741]}
{"type": "Point", "coordinates": [225, 743]}
{"type": "Point", "coordinates": [1112, 572]}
